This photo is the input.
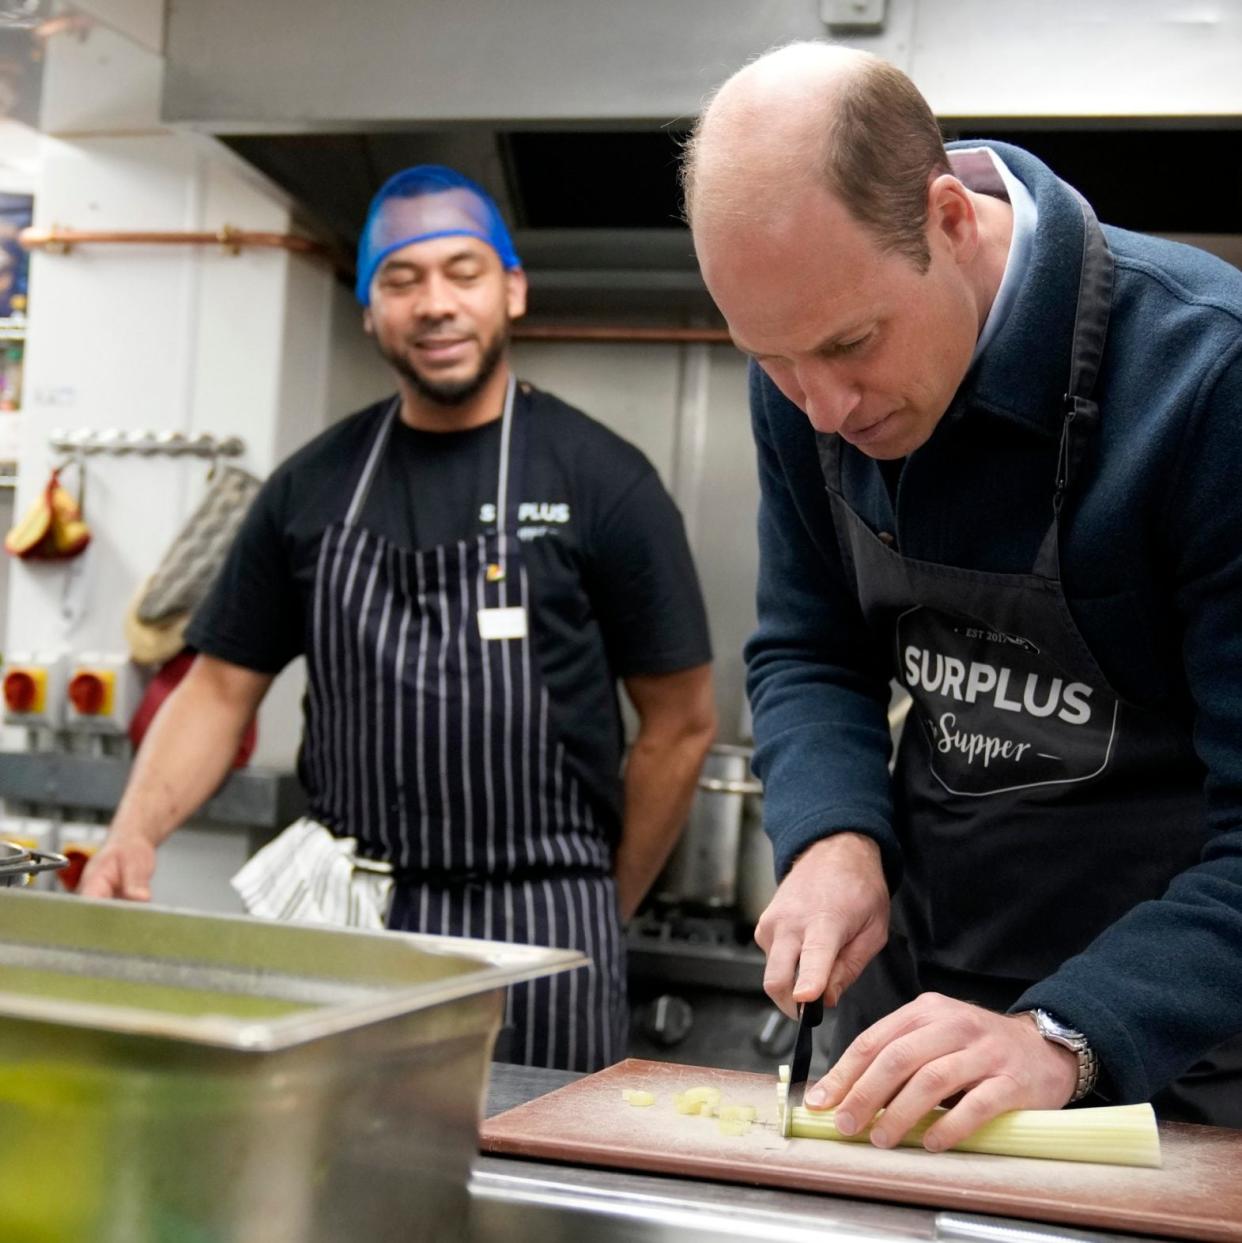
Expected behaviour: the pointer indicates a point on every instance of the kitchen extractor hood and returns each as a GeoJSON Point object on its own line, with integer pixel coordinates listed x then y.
{"type": "Point", "coordinates": [571, 112]}
{"type": "Point", "coordinates": [596, 214]}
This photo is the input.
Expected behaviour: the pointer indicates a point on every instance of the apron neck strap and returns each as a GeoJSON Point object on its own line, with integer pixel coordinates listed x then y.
{"type": "Point", "coordinates": [1095, 300]}
{"type": "Point", "coordinates": [363, 486]}
{"type": "Point", "coordinates": [1095, 297]}
{"type": "Point", "coordinates": [510, 452]}
{"type": "Point", "coordinates": [507, 499]}
{"type": "Point", "coordinates": [1082, 413]}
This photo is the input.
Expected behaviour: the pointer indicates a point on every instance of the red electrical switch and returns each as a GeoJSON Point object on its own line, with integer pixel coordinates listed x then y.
{"type": "Point", "coordinates": [25, 690]}
{"type": "Point", "coordinates": [34, 689]}
{"type": "Point", "coordinates": [90, 691]}
{"type": "Point", "coordinates": [100, 693]}
{"type": "Point", "coordinates": [71, 875]}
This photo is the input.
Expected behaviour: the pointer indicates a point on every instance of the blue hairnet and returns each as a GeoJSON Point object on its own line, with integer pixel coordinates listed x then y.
{"type": "Point", "coordinates": [423, 202]}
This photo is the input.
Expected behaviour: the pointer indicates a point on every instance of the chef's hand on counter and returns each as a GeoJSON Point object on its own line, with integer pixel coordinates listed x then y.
{"type": "Point", "coordinates": [121, 868]}
{"type": "Point", "coordinates": [826, 922]}
{"type": "Point", "coordinates": [181, 763]}
{"type": "Point", "coordinates": [929, 1052]}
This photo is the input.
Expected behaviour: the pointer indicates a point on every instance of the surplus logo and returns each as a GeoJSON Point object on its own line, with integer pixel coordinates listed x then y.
{"type": "Point", "coordinates": [552, 512]}
{"type": "Point", "coordinates": [1032, 693]}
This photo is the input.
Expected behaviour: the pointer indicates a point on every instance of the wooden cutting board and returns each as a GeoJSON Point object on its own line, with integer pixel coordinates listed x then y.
{"type": "Point", "coordinates": [1197, 1194]}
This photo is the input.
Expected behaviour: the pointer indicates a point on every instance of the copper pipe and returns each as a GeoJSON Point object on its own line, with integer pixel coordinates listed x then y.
{"type": "Point", "coordinates": [65, 24]}
{"type": "Point", "coordinates": [235, 240]}
{"type": "Point", "coordinates": [63, 240]}
{"type": "Point", "coordinates": [622, 334]}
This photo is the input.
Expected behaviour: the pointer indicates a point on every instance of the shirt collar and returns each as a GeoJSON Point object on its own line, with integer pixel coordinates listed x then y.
{"type": "Point", "coordinates": [1025, 218]}
{"type": "Point", "coordinates": [1023, 372]}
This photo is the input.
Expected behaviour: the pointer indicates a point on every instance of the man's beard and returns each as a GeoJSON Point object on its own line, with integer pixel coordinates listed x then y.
{"type": "Point", "coordinates": [451, 393]}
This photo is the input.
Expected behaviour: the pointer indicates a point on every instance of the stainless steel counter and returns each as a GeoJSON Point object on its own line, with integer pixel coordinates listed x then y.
{"type": "Point", "coordinates": [516, 1200]}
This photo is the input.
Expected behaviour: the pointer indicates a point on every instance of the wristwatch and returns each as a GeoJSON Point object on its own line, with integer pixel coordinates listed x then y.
{"type": "Point", "coordinates": [1051, 1028]}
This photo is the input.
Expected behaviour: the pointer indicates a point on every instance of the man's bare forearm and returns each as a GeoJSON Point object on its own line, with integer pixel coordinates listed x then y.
{"type": "Point", "coordinates": [678, 723]}
{"type": "Point", "coordinates": [188, 749]}
{"type": "Point", "coordinates": [659, 787]}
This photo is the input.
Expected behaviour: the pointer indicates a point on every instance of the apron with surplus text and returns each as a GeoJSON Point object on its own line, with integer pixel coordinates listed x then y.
{"type": "Point", "coordinates": [1034, 806]}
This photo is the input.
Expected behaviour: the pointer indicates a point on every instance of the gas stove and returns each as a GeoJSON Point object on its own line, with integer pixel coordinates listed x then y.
{"type": "Point", "coordinates": [696, 991]}
{"type": "Point", "coordinates": [676, 943]}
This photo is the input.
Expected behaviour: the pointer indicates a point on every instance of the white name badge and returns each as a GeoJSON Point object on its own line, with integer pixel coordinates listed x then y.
{"type": "Point", "coordinates": [502, 623]}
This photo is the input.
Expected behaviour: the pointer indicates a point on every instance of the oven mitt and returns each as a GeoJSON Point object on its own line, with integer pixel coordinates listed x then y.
{"type": "Point", "coordinates": [53, 528]}
{"type": "Point", "coordinates": [190, 565]}
{"type": "Point", "coordinates": [152, 646]}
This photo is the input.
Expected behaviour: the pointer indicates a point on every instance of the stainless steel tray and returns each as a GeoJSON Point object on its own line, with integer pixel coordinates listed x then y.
{"type": "Point", "coordinates": [173, 1076]}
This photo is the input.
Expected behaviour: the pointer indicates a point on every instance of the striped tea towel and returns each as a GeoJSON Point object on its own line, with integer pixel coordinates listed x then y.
{"type": "Point", "coordinates": [308, 875]}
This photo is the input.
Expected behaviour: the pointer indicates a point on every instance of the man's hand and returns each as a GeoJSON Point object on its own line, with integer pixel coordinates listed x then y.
{"type": "Point", "coordinates": [829, 918]}
{"type": "Point", "coordinates": [121, 868]}
{"type": "Point", "coordinates": [182, 760]}
{"type": "Point", "coordinates": [930, 1051]}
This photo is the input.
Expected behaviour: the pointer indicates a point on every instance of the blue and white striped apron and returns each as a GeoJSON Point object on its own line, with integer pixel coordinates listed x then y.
{"type": "Point", "coordinates": [438, 750]}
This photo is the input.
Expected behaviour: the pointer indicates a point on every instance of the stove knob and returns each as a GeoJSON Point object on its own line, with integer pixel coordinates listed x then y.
{"type": "Point", "coordinates": [776, 1035]}
{"type": "Point", "coordinates": [668, 1020]}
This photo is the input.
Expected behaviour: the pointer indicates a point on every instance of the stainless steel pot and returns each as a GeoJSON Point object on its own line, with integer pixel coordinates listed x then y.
{"type": "Point", "coordinates": [17, 863]}
{"type": "Point", "coordinates": [756, 865]}
{"type": "Point", "coordinates": [703, 868]}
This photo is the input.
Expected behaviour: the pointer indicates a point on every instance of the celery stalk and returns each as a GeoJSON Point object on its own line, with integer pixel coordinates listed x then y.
{"type": "Point", "coordinates": [1111, 1134]}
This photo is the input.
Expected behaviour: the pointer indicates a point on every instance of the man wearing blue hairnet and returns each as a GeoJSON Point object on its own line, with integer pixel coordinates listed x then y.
{"type": "Point", "coordinates": [468, 568]}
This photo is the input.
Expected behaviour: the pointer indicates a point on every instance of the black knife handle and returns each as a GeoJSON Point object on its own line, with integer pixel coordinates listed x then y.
{"type": "Point", "coordinates": [814, 1011]}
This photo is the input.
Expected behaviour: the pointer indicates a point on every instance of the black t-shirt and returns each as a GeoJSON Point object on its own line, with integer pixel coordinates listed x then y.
{"type": "Point", "coordinates": [592, 508]}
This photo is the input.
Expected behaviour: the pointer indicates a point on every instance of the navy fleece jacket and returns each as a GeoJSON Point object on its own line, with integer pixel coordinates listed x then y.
{"type": "Point", "coordinates": [1152, 571]}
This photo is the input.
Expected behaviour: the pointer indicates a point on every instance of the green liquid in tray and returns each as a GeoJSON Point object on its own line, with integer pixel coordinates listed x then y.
{"type": "Point", "coordinates": [132, 994]}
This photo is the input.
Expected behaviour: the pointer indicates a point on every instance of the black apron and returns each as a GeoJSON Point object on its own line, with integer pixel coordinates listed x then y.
{"type": "Point", "coordinates": [430, 737]}
{"type": "Point", "coordinates": [1021, 772]}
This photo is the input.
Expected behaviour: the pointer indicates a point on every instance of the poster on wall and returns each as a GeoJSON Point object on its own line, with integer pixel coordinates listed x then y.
{"type": "Point", "coordinates": [16, 213]}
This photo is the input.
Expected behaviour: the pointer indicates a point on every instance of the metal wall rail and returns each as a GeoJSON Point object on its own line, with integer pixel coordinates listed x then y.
{"type": "Point", "coordinates": [116, 442]}
{"type": "Point", "coordinates": [260, 798]}
{"type": "Point", "coordinates": [61, 240]}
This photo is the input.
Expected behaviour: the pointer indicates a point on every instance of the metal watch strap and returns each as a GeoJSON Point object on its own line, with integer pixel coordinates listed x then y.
{"type": "Point", "coordinates": [1051, 1028]}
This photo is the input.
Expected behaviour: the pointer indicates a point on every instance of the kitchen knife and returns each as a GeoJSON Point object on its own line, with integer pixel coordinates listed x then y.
{"type": "Point", "coordinates": [810, 1015]}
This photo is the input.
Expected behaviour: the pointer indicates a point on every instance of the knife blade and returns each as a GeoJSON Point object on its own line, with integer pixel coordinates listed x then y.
{"type": "Point", "coordinates": [810, 1015]}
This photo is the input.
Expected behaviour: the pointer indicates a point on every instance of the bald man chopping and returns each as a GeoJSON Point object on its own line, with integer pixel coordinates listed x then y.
{"type": "Point", "coordinates": [998, 450]}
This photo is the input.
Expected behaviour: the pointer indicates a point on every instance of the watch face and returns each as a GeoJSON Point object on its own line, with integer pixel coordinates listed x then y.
{"type": "Point", "coordinates": [1051, 1026]}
